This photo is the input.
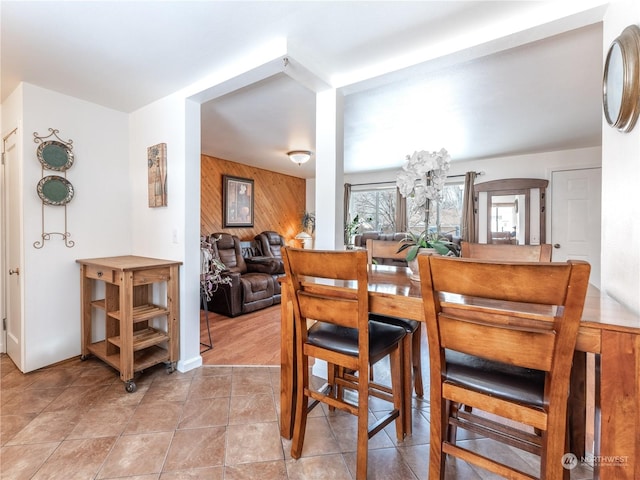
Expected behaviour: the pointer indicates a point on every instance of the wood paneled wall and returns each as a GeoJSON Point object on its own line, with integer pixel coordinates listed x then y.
{"type": "Point", "coordinates": [278, 204]}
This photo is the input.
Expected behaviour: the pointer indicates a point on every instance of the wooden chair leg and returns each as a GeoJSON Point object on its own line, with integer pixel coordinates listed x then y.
{"type": "Point", "coordinates": [566, 473]}
{"type": "Point", "coordinates": [300, 422]}
{"type": "Point", "coordinates": [399, 393]}
{"type": "Point", "coordinates": [551, 467]}
{"type": "Point", "coordinates": [362, 449]}
{"type": "Point", "coordinates": [336, 391]}
{"type": "Point", "coordinates": [407, 390]}
{"type": "Point", "coordinates": [437, 431]}
{"type": "Point", "coordinates": [452, 430]}
{"type": "Point", "coordinates": [416, 352]}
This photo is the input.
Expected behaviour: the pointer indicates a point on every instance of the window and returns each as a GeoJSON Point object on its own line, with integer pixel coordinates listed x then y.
{"type": "Point", "coordinates": [377, 204]}
{"type": "Point", "coordinates": [447, 213]}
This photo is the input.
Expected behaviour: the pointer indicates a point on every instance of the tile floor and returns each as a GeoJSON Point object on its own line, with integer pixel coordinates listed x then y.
{"type": "Point", "coordinates": [75, 421]}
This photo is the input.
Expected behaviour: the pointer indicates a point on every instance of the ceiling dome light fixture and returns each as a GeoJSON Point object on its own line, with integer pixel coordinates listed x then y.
{"type": "Point", "coordinates": [299, 156]}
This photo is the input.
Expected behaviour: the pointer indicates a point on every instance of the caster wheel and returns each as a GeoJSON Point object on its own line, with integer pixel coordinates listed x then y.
{"type": "Point", "coordinates": [171, 368]}
{"type": "Point", "coordinates": [130, 386]}
{"type": "Point", "coordinates": [83, 358]}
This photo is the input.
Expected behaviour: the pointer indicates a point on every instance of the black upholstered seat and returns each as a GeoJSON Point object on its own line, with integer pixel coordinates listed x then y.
{"type": "Point", "coordinates": [345, 340]}
{"type": "Point", "coordinates": [493, 378]}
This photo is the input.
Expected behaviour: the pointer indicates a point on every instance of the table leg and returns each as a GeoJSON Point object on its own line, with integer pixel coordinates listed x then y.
{"type": "Point", "coordinates": [577, 408]}
{"type": "Point", "coordinates": [287, 370]}
{"type": "Point", "coordinates": [619, 407]}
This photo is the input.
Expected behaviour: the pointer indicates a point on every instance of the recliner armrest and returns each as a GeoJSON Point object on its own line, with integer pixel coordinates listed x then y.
{"type": "Point", "coordinates": [234, 276]}
{"type": "Point", "coordinates": [269, 265]}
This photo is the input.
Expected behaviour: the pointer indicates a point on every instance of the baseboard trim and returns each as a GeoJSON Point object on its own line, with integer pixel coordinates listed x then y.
{"type": "Point", "coordinates": [186, 365]}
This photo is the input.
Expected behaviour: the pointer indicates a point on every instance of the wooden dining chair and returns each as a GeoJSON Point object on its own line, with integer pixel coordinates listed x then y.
{"type": "Point", "coordinates": [501, 252]}
{"type": "Point", "coordinates": [504, 348]}
{"type": "Point", "coordinates": [507, 253]}
{"type": "Point", "coordinates": [331, 289]}
{"type": "Point", "coordinates": [412, 349]}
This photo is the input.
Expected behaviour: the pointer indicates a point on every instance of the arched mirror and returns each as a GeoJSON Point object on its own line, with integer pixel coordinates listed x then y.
{"type": "Point", "coordinates": [511, 210]}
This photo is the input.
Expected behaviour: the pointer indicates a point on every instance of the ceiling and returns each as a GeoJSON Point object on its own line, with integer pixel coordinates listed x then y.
{"type": "Point", "coordinates": [481, 79]}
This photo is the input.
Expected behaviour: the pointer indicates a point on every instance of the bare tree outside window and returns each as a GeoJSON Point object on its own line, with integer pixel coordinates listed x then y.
{"type": "Point", "coordinates": [379, 205]}
{"type": "Point", "coordinates": [445, 216]}
{"type": "Point", "coordinates": [450, 209]}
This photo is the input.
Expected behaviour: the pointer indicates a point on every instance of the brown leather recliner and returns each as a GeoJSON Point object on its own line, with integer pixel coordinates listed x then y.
{"type": "Point", "coordinates": [270, 244]}
{"type": "Point", "coordinates": [252, 284]}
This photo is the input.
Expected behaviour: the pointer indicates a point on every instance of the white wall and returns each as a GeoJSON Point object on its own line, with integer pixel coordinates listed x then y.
{"type": "Point", "coordinates": [98, 217]}
{"type": "Point", "coordinates": [171, 232]}
{"type": "Point", "coordinates": [537, 165]}
{"type": "Point", "coordinates": [620, 181]}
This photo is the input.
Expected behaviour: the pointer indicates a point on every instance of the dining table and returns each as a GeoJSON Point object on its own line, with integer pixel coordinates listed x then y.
{"type": "Point", "coordinates": [608, 330]}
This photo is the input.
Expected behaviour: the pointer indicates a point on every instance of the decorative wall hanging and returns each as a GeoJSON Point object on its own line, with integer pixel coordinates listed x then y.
{"type": "Point", "coordinates": [621, 81]}
{"type": "Point", "coordinates": [54, 190]}
{"type": "Point", "coordinates": [237, 201]}
{"type": "Point", "coordinates": [157, 163]}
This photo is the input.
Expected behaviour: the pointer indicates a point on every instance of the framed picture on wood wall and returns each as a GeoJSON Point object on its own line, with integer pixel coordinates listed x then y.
{"type": "Point", "coordinates": [237, 201]}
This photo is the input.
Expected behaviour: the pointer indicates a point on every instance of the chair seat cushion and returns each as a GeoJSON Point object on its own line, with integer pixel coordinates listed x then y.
{"type": "Point", "coordinates": [410, 326]}
{"type": "Point", "coordinates": [345, 340]}
{"type": "Point", "coordinates": [495, 378]}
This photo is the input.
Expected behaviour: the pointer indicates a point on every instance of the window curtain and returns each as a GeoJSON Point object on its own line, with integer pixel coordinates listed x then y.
{"type": "Point", "coordinates": [468, 209]}
{"type": "Point", "coordinates": [401, 212]}
{"type": "Point", "coordinates": [346, 217]}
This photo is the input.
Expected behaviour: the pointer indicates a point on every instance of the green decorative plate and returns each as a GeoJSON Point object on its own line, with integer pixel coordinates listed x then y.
{"type": "Point", "coordinates": [55, 190]}
{"type": "Point", "coordinates": [55, 156]}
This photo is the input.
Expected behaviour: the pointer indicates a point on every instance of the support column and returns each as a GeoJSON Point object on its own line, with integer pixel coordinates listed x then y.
{"type": "Point", "coordinates": [329, 170]}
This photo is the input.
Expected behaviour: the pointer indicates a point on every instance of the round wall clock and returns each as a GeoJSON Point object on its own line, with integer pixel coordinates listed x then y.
{"type": "Point", "coordinates": [621, 81]}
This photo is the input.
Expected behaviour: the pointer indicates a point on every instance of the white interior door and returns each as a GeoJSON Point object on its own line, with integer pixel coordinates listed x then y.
{"type": "Point", "coordinates": [576, 218]}
{"type": "Point", "coordinates": [13, 266]}
{"type": "Point", "coordinates": [3, 256]}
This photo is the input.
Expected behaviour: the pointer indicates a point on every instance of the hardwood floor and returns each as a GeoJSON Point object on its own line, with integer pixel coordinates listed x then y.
{"type": "Point", "coordinates": [251, 339]}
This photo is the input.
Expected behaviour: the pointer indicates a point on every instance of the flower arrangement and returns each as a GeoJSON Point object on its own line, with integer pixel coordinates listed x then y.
{"type": "Point", "coordinates": [211, 269]}
{"type": "Point", "coordinates": [422, 178]}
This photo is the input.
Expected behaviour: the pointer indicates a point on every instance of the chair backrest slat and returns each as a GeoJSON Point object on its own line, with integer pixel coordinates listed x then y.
{"type": "Point", "coordinates": [491, 279]}
{"type": "Point", "coordinates": [528, 348]}
{"type": "Point", "coordinates": [339, 311]}
{"type": "Point", "coordinates": [383, 249]}
{"type": "Point", "coordinates": [506, 252]}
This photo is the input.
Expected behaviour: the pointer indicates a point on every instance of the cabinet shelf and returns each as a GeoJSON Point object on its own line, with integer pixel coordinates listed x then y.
{"type": "Point", "coordinates": [143, 338]}
{"type": "Point", "coordinates": [142, 359]}
{"type": "Point", "coordinates": [98, 304]}
{"type": "Point", "coordinates": [143, 312]}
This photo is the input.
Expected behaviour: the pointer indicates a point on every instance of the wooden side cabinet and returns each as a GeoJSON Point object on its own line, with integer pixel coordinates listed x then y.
{"type": "Point", "coordinates": [141, 326]}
